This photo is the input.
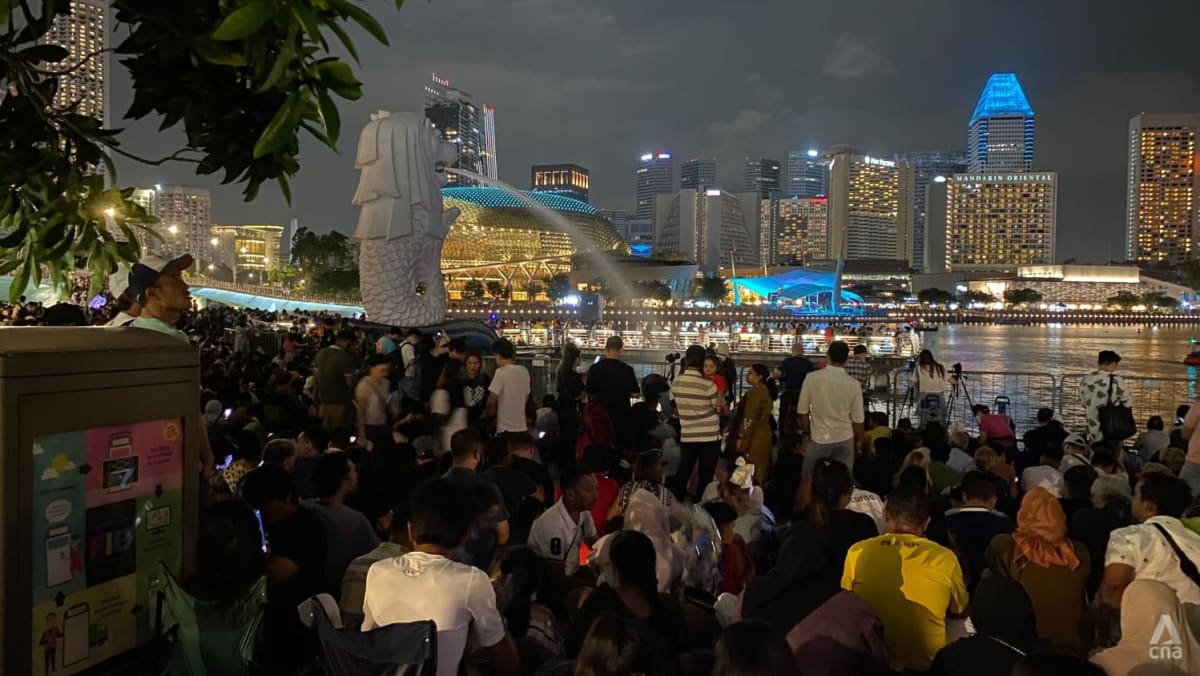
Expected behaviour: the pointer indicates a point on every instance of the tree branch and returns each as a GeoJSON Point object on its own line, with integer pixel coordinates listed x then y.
{"type": "Point", "coordinates": [59, 73]}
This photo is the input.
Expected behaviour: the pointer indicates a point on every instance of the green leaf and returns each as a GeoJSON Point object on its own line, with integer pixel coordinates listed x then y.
{"type": "Point", "coordinates": [44, 53]}
{"type": "Point", "coordinates": [286, 53]}
{"type": "Point", "coordinates": [219, 54]}
{"type": "Point", "coordinates": [285, 188]}
{"type": "Point", "coordinates": [312, 26]}
{"type": "Point", "coordinates": [20, 280]}
{"type": "Point", "coordinates": [330, 117]}
{"type": "Point", "coordinates": [336, 72]}
{"type": "Point", "coordinates": [361, 17]}
{"type": "Point", "coordinates": [346, 41]}
{"type": "Point", "coordinates": [281, 128]}
{"type": "Point", "coordinates": [245, 21]}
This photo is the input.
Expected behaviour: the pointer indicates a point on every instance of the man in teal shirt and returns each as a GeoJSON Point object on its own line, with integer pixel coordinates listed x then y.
{"type": "Point", "coordinates": [159, 287]}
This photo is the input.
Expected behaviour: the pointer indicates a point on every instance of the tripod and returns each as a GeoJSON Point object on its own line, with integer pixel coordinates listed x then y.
{"type": "Point", "coordinates": [960, 386]}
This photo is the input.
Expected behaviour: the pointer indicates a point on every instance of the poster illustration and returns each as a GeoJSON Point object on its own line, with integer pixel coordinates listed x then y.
{"type": "Point", "coordinates": [107, 509]}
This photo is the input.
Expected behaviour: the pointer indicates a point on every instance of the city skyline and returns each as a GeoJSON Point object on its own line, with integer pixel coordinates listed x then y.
{"type": "Point", "coordinates": [879, 81]}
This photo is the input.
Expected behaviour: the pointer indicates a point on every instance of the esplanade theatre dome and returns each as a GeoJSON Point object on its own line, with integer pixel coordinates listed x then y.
{"type": "Point", "coordinates": [499, 238]}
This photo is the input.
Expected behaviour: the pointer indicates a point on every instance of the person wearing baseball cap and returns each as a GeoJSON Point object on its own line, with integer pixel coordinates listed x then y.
{"type": "Point", "coordinates": [158, 286]}
{"type": "Point", "coordinates": [127, 305]}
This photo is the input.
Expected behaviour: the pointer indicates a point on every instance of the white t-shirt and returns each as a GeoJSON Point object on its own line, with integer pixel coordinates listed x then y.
{"type": "Point", "coordinates": [555, 537]}
{"type": "Point", "coordinates": [510, 384]}
{"type": "Point", "coordinates": [833, 401]}
{"type": "Point", "coordinates": [1151, 556]}
{"type": "Point", "coordinates": [419, 586]}
{"type": "Point", "coordinates": [866, 502]}
{"type": "Point", "coordinates": [375, 392]}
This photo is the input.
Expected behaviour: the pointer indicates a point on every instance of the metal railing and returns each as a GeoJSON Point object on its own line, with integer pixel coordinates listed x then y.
{"type": "Point", "coordinates": [680, 339]}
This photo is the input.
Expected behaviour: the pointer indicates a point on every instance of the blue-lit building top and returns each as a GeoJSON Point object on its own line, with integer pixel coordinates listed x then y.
{"type": "Point", "coordinates": [498, 197]}
{"type": "Point", "coordinates": [814, 286]}
{"type": "Point", "coordinates": [1000, 131]}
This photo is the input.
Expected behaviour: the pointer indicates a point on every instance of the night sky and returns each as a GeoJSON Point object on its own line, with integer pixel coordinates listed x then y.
{"type": "Point", "coordinates": [599, 83]}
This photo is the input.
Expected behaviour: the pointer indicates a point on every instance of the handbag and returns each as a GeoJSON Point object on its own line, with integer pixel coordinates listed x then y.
{"type": "Point", "coordinates": [1116, 420]}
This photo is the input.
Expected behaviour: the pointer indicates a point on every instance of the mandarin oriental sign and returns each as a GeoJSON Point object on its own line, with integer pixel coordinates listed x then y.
{"type": "Point", "coordinates": [1004, 178]}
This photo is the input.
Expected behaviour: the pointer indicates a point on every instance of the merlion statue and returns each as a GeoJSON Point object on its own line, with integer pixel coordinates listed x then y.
{"type": "Point", "coordinates": [402, 226]}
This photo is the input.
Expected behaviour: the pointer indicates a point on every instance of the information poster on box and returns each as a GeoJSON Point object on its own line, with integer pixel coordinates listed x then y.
{"type": "Point", "coordinates": [107, 509]}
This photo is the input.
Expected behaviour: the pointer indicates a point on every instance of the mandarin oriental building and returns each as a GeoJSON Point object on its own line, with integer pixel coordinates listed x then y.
{"type": "Point", "coordinates": [999, 221]}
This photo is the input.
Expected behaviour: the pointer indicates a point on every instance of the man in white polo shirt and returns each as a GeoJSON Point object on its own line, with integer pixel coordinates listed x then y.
{"type": "Point", "coordinates": [559, 532]}
{"type": "Point", "coordinates": [831, 411]}
{"type": "Point", "coordinates": [509, 390]}
{"type": "Point", "coordinates": [425, 584]}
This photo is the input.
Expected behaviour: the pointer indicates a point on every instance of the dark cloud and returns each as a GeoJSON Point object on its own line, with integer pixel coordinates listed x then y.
{"type": "Point", "coordinates": [598, 82]}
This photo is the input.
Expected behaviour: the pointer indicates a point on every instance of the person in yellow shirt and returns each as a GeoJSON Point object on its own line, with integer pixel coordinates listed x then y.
{"type": "Point", "coordinates": [911, 583]}
{"type": "Point", "coordinates": [877, 429]}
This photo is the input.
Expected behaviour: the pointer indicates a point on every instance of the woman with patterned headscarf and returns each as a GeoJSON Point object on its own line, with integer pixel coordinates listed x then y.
{"type": "Point", "coordinates": [1052, 568]}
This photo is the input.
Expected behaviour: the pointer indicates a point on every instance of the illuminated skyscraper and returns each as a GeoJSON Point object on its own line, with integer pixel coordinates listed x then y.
{"type": "Point", "coordinates": [806, 174]}
{"type": "Point", "coordinates": [248, 250]}
{"type": "Point", "coordinates": [1000, 132]}
{"type": "Point", "coordinates": [1162, 220]}
{"type": "Point", "coordinates": [761, 176]}
{"type": "Point", "coordinates": [794, 229]}
{"type": "Point", "coordinates": [870, 207]}
{"type": "Point", "coordinates": [184, 218]}
{"type": "Point", "coordinates": [655, 176]}
{"type": "Point", "coordinates": [997, 222]}
{"type": "Point", "coordinates": [84, 34]}
{"type": "Point", "coordinates": [695, 174]}
{"type": "Point", "coordinates": [469, 124]}
{"type": "Point", "coordinates": [926, 165]}
{"type": "Point", "coordinates": [569, 180]}
{"type": "Point", "coordinates": [715, 228]}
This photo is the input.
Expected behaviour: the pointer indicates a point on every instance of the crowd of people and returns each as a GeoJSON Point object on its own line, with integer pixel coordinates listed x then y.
{"type": "Point", "coordinates": [663, 525]}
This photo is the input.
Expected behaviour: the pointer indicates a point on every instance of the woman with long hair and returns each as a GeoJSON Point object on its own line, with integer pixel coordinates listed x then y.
{"type": "Point", "coordinates": [914, 459]}
{"type": "Point", "coordinates": [754, 438]}
{"type": "Point", "coordinates": [832, 487]}
{"type": "Point", "coordinates": [1051, 567]}
{"type": "Point", "coordinates": [569, 388]}
{"type": "Point", "coordinates": [932, 381]}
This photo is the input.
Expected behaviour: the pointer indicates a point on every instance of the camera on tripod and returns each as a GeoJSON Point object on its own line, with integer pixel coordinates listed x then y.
{"type": "Point", "coordinates": [958, 372]}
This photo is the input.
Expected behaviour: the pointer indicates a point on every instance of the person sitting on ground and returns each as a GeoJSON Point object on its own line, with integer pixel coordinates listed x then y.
{"type": "Point", "coordinates": [1153, 441]}
{"type": "Point", "coordinates": [615, 646]}
{"type": "Point", "coordinates": [1005, 630]}
{"type": "Point", "coordinates": [914, 622]}
{"type": "Point", "coordinates": [525, 460]}
{"type": "Point", "coordinates": [1145, 648]}
{"type": "Point", "coordinates": [1077, 489]}
{"type": "Point", "coordinates": [598, 459]}
{"type": "Point", "coordinates": [972, 527]}
{"type": "Point", "coordinates": [466, 451]}
{"type": "Point", "coordinates": [246, 456]}
{"type": "Point", "coordinates": [877, 428]}
{"type": "Point", "coordinates": [515, 487]}
{"type": "Point", "coordinates": [1104, 463]}
{"type": "Point", "coordinates": [354, 582]}
{"type": "Point", "coordinates": [629, 590]}
{"type": "Point", "coordinates": [1075, 453]}
{"type": "Point", "coordinates": [1052, 568]}
{"type": "Point", "coordinates": [1175, 459]}
{"type": "Point", "coordinates": [647, 516]}
{"type": "Point", "coordinates": [995, 430]}
{"type": "Point", "coordinates": [753, 648]}
{"type": "Point", "coordinates": [425, 584]}
{"type": "Point", "coordinates": [561, 531]}
{"type": "Point", "coordinates": [1159, 548]}
{"type": "Point", "coordinates": [914, 459]}
{"type": "Point", "coordinates": [1049, 433]}
{"type": "Point", "coordinates": [1109, 510]}
{"type": "Point", "coordinates": [348, 534]}
{"type": "Point", "coordinates": [941, 475]}
{"type": "Point", "coordinates": [754, 520]}
{"type": "Point", "coordinates": [781, 491]}
{"type": "Point", "coordinates": [842, 528]}
{"type": "Point", "coordinates": [737, 564]}
{"type": "Point", "coordinates": [1046, 474]}
{"type": "Point", "coordinates": [310, 444]}
{"type": "Point", "coordinates": [280, 452]}
{"type": "Point", "coordinates": [648, 475]}
{"type": "Point", "coordinates": [1000, 474]}
{"type": "Point", "coordinates": [959, 459]}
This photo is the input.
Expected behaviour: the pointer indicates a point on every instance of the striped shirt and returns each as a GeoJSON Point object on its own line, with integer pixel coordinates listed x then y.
{"type": "Point", "coordinates": [696, 401]}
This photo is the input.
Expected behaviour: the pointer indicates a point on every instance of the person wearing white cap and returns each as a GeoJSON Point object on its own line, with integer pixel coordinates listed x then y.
{"type": "Point", "coordinates": [1075, 453]}
{"type": "Point", "coordinates": [126, 303]}
{"type": "Point", "coordinates": [158, 285]}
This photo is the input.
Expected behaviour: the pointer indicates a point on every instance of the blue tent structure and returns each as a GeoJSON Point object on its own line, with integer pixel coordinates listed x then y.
{"type": "Point", "coordinates": [801, 284]}
{"type": "Point", "coordinates": [246, 300]}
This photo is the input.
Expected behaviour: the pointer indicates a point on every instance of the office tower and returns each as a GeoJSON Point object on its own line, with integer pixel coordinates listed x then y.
{"type": "Point", "coordinates": [761, 176]}
{"type": "Point", "coordinates": [248, 250]}
{"type": "Point", "coordinates": [996, 222]}
{"type": "Point", "coordinates": [568, 180]}
{"type": "Point", "coordinates": [84, 82]}
{"type": "Point", "coordinates": [184, 216]}
{"type": "Point", "coordinates": [806, 174]}
{"type": "Point", "coordinates": [927, 165]}
{"type": "Point", "coordinates": [870, 207]}
{"type": "Point", "coordinates": [1162, 220]}
{"type": "Point", "coordinates": [1000, 133]}
{"type": "Point", "coordinates": [655, 176]}
{"type": "Point", "coordinates": [696, 174]}
{"type": "Point", "coordinates": [715, 228]}
{"type": "Point", "coordinates": [794, 229]}
{"type": "Point", "coordinates": [936, 198]}
{"type": "Point", "coordinates": [619, 220]}
{"type": "Point", "coordinates": [467, 123]}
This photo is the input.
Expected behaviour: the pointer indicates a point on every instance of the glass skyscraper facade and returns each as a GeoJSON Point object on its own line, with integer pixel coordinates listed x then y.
{"type": "Point", "coordinates": [927, 165]}
{"type": "Point", "coordinates": [655, 176]}
{"type": "Point", "coordinates": [695, 174]}
{"type": "Point", "coordinates": [761, 176]}
{"type": "Point", "coordinates": [806, 174]}
{"type": "Point", "coordinates": [465, 122]}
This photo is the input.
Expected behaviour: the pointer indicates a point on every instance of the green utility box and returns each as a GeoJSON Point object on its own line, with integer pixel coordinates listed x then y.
{"type": "Point", "coordinates": [99, 471]}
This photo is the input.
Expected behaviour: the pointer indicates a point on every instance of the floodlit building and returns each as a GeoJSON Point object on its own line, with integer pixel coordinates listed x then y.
{"type": "Point", "coordinates": [248, 250]}
{"type": "Point", "coordinates": [84, 34]}
{"type": "Point", "coordinates": [1000, 131]}
{"type": "Point", "coordinates": [1080, 286]}
{"type": "Point", "coordinates": [496, 238]}
{"type": "Point", "coordinates": [870, 207]}
{"type": "Point", "coordinates": [568, 180]}
{"type": "Point", "coordinates": [465, 122]}
{"type": "Point", "coordinates": [806, 174]}
{"type": "Point", "coordinates": [794, 229]}
{"type": "Point", "coordinates": [184, 216]}
{"type": "Point", "coordinates": [717, 229]}
{"type": "Point", "coordinates": [655, 176]}
{"type": "Point", "coordinates": [1162, 220]}
{"type": "Point", "coordinates": [1000, 221]}
{"type": "Point", "coordinates": [695, 174]}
